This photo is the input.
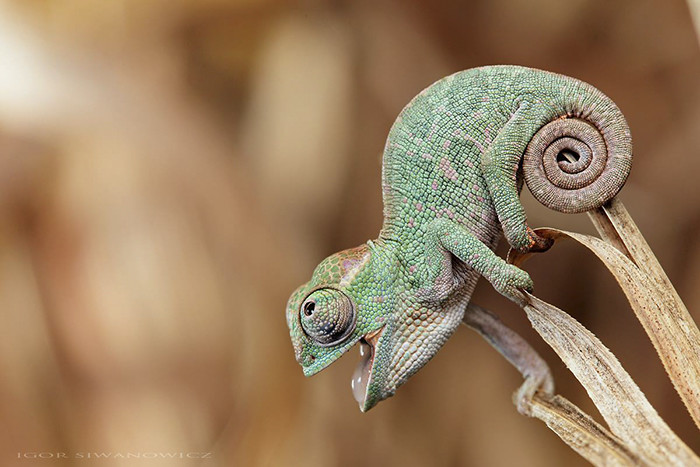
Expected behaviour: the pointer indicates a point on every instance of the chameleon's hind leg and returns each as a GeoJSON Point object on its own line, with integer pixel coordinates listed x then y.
{"type": "Point", "coordinates": [445, 238]}
{"type": "Point", "coordinates": [499, 165]}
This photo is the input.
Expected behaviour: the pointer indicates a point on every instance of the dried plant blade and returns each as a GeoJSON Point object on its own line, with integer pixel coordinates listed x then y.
{"type": "Point", "coordinates": [583, 434]}
{"type": "Point", "coordinates": [678, 338]}
{"type": "Point", "coordinates": [655, 302]}
{"type": "Point", "coordinates": [694, 7]}
{"type": "Point", "coordinates": [615, 225]}
{"type": "Point", "coordinates": [622, 404]}
{"type": "Point", "coordinates": [573, 426]}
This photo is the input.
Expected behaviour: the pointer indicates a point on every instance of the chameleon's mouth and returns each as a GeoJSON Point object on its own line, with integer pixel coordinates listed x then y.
{"type": "Point", "coordinates": [363, 371]}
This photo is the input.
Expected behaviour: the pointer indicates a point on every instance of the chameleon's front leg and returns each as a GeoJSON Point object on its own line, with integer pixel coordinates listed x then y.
{"type": "Point", "coordinates": [445, 238]}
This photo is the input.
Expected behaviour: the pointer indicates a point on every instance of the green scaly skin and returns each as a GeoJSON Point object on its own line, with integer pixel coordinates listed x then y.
{"type": "Point", "coordinates": [452, 173]}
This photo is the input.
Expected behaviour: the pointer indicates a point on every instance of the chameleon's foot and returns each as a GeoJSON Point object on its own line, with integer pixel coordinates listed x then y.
{"type": "Point", "coordinates": [538, 244]}
{"type": "Point", "coordinates": [510, 281]}
{"type": "Point", "coordinates": [523, 239]}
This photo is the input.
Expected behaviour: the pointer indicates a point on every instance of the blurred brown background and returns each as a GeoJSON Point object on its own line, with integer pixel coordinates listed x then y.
{"type": "Point", "coordinates": [171, 170]}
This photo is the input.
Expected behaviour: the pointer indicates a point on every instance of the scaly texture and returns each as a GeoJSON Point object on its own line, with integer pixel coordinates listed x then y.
{"type": "Point", "coordinates": [451, 182]}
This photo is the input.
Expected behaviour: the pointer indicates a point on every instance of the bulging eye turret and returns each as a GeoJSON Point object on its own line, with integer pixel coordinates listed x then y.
{"type": "Point", "coordinates": [327, 316]}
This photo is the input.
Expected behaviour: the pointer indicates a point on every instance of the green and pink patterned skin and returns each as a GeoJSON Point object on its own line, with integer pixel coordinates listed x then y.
{"type": "Point", "coordinates": [453, 167]}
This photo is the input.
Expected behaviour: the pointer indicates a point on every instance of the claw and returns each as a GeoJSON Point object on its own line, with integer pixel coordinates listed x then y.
{"type": "Point", "coordinates": [538, 244]}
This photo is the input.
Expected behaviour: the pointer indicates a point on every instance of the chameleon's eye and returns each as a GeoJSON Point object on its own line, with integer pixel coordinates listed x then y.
{"type": "Point", "coordinates": [327, 316]}
{"type": "Point", "coordinates": [309, 307]}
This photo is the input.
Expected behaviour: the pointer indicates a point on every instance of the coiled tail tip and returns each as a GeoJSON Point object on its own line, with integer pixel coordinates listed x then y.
{"type": "Point", "coordinates": [574, 165]}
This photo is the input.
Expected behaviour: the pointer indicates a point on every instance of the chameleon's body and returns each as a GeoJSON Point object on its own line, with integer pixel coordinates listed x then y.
{"type": "Point", "coordinates": [451, 180]}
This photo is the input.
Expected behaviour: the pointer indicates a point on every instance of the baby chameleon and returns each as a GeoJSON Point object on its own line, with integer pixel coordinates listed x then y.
{"type": "Point", "coordinates": [452, 172]}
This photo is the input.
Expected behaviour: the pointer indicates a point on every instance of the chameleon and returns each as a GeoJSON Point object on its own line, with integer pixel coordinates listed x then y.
{"type": "Point", "coordinates": [453, 166]}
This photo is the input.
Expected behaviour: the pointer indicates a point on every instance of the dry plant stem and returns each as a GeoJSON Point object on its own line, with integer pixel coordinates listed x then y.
{"type": "Point", "coordinates": [578, 430]}
{"type": "Point", "coordinates": [657, 305]}
{"type": "Point", "coordinates": [694, 7]}
{"type": "Point", "coordinates": [583, 434]}
{"type": "Point", "coordinates": [615, 394]}
{"type": "Point", "coordinates": [516, 350]}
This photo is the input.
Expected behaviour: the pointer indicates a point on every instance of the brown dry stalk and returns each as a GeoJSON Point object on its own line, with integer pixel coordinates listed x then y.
{"type": "Point", "coordinates": [637, 436]}
{"type": "Point", "coordinates": [625, 409]}
{"type": "Point", "coordinates": [536, 397]}
{"type": "Point", "coordinates": [583, 434]}
{"type": "Point", "coordinates": [654, 300]}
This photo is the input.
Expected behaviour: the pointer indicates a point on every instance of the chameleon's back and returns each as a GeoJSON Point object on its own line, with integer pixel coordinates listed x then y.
{"type": "Point", "coordinates": [434, 153]}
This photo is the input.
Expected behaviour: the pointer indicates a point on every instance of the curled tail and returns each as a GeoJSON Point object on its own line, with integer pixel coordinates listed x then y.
{"type": "Point", "coordinates": [580, 160]}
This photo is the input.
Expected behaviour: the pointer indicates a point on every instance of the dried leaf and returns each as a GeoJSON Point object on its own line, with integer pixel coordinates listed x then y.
{"type": "Point", "coordinates": [665, 319]}
{"type": "Point", "coordinates": [573, 426]}
{"type": "Point", "coordinates": [653, 298]}
{"type": "Point", "coordinates": [583, 434]}
{"type": "Point", "coordinates": [615, 394]}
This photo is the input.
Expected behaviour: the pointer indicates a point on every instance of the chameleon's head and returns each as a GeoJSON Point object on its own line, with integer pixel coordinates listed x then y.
{"type": "Point", "coordinates": [347, 300]}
